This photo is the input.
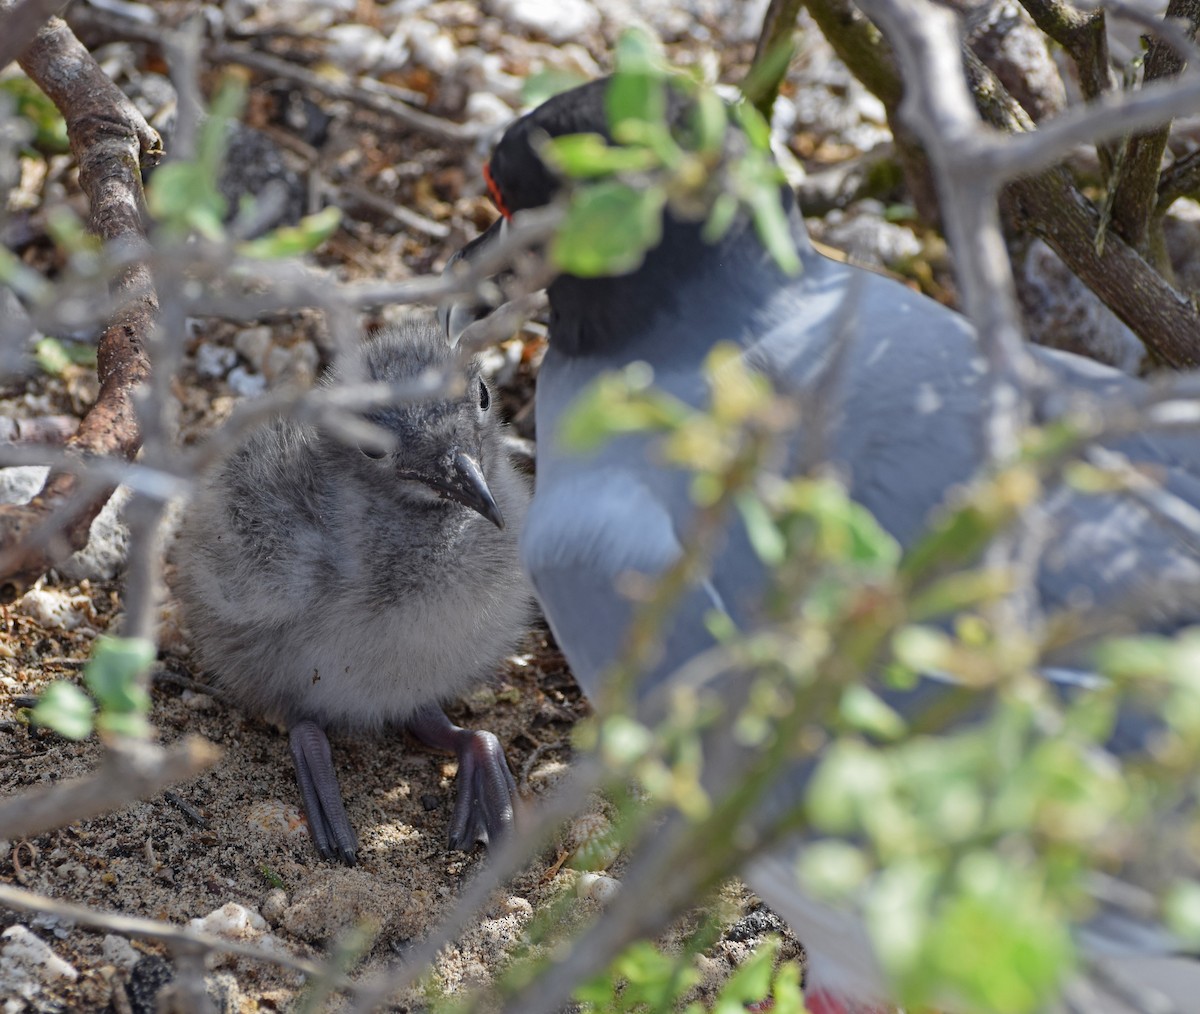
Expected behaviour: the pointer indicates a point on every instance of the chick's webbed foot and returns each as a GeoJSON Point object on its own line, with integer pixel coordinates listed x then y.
{"type": "Point", "coordinates": [328, 824]}
{"type": "Point", "coordinates": [484, 808]}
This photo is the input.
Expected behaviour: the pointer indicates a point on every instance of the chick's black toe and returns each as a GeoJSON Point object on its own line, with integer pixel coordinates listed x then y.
{"type": "Point", "coordinates": [328, 824]}
{"type": "Point", "coordinates": [485, 791]}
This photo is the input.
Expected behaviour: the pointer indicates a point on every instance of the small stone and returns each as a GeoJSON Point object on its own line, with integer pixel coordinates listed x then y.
{"type": "Point", "coordinates": [119, 951]}
{"type": "Point", "coordinates": [27, 963]}
{"type": "Point", "coordinates": [557, 20]}
{"type": "Point", "coordinates": [487, 109]}
{"type": "Point", "coordinates": [232, 921]}
{"type": "Point", "coordinates": [357, 47]}
{"type": "Point", "coordinates": [215, 360]}
{"type": "Point", "coordinates": [430, 802]}
{"type": "Point", "coordinates": [55, 608]}
{"type": "Point", "coordinates": [241, 381]}
{"type": "Point", "coordinates": [274, 904]}
{"type": "Point", "coordinates": [254, 345]}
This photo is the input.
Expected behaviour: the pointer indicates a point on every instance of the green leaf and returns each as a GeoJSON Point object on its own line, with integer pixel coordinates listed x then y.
{"type": "Point", "coordinates": [54, 356]}
{"type": "Point", "coordinates": [50, 130]}
{"type": "Point", "coordinates": [720, 217]}
{"type": "Point", "coordinates": [750, 982]}
{"type": "Point", "coordinates": [865, 711]}
{"type": "Point", "coordinates": [623, 740]}
{"type": "Point", "coordinates": [1181, 909]}
{"type": "Point", "coordinates": [764, 534]}
{"type": "Point", "coordinates": [293, 240]}
{"type": "Point", "coordinates": [66, 709]}
{"type": "Point", "coordinates": [710, 122]}
{"type": "Point", "coordinates": [113, 674]}
{"type": "Point", "coordinates": [548, 82]}
{"type": "Point", "coordinates": [773, 228]}
{"type": "Point", "coordinates": [184, 195]}
{"type": "Point", "coordinates": [608, 229]}
{"type": "Point", "coordinates": [588, 156]}
{"type": "Point", "coordinates": [617, 403]}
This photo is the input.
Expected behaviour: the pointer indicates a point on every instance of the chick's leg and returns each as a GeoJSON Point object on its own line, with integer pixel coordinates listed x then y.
{"type": "Point", "coordinates": [327, 821]}
{"type": "Point", "coordinates": [485, 790]}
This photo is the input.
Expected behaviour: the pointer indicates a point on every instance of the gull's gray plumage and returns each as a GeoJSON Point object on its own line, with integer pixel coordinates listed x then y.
{"type": "Point", "coordinates": [906, 407]}
{"type": "Point", "coordinates": [332, 587]}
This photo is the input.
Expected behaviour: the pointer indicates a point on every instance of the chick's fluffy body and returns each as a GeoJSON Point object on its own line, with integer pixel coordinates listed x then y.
{"type": "Point", "coordinates": [320, 583]}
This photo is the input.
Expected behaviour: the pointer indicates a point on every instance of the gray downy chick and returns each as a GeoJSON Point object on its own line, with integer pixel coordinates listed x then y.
{"type": "Point", "coordinates": [332, 587]}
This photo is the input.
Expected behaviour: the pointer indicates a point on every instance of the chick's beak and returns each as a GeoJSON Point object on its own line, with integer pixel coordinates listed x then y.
{"type": "Point", "coordinates": [468, 487]}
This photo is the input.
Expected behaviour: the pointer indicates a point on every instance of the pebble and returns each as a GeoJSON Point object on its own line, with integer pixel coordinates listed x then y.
{"type": "Point", "coordinates": [54, 608]}
{"type": "Point", "coordinates": [273, 816]}
{"type": "Point", "coordinates": [246, 384]}
{"type": "Point", "coordinates": [103, 558]}
{"type": "Point", "coordinates": [557, 20]}
{"type": "Point", "coordinates": [253, 344]}
{"type": "Point", "coordinates": [27, 964]}
{"type": "Point", "coordinates": [359, 47]}
{"type": "Point", "coordinates": [867, 237]}
{"type": "Point", "coordinates": [274, 904]}
{"type": "Point", "coordinates": [215, 360]}
{"type": "Point", "coordinates": [1063, 313]}
{"type": "Point", "coordinates": [119, 951]}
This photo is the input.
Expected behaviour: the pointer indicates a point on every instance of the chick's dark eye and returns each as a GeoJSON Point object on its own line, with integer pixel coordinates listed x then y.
{"type": "Point", "coordinates": [372, 452]}
{"type": "Point", "coordinates": [485, 399]}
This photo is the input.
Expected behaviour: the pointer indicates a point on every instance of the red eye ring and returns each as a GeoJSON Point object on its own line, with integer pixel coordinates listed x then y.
{"type": "Point", "coordinates": [494, 191]}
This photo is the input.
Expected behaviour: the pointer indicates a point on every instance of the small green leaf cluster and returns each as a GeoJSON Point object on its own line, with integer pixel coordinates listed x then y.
{"type": "Point", "coordinates": [622, 189]}
{"type": "Point", "coordinates": [119, 702]}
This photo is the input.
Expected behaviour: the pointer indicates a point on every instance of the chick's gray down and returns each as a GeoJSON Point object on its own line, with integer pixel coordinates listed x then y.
{"type": "Point", "coordinates": [330, 586]}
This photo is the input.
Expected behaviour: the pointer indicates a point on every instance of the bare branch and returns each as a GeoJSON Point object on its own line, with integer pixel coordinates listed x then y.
{"type": "Point", "coordinates": [21, 23]}
{"type": "Point", "coordinates": [942, 112]}
{"type": "Point", "coordinates": [413, 118]}
{"type": "Point", "coordinates": [1084, 37]}
{"type": "Point", "coordinates": [149, 929]}
{"type": "Point", "coordinates": [110, 138]}
{"type": "Point", "coordinates": [1136, 189]}
{"type": "Point", "coordinates": [130, 769]}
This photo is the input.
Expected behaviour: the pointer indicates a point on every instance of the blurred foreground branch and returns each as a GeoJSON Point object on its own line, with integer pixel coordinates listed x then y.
{"type": "Point", "coordinates": [130, 769]}
{"type": "Point", "coordinates": [110, 140]}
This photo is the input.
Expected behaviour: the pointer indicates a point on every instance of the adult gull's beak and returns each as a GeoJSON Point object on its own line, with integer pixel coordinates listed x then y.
{"type": "Point", "coordinates": [458, 313]}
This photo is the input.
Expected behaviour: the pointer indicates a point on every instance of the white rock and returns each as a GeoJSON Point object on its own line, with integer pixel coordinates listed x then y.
{"type": "Point", "coordinates": [119, 951]}
{"type": "Point", "coordinates": [215, 360]}
{"type": "Point", "coordinates": [233, 921]}
{"type": "Point", "coordinates": [254, 345]}
{"type": "Point", "coordinates": [54, 608]}
{"type": "Point", "coordinates": [356, 46]}
{"type": "Point", "coordinates": [487, 109]}
{"type": "Point", "coordinates": [558, 20]}
{"type": "Point", "coordinates": [27, 962]}
{"type": "Point", "coordinates": [431, 47]}
{"type": "Point", "coordinates": [248, 385]}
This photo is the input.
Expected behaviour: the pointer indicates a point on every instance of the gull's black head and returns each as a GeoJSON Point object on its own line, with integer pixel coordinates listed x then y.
{"type": "Point", "coordinates": [444, 443]}
{"type": "Point", "coordinates": [517, 177]}
{"type": "Point", "coordinates": [725, 279]}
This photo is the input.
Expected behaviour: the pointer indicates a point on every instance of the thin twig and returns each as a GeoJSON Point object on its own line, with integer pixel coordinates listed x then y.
{"type": "Point", "coordinates": [130, 769]}
{"type": "Point", "coordinates": [149, 929]}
